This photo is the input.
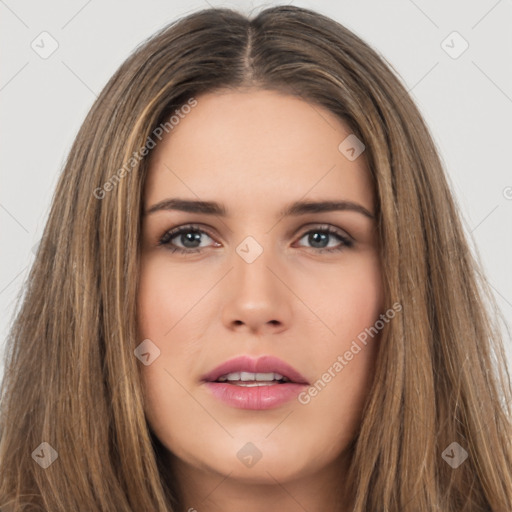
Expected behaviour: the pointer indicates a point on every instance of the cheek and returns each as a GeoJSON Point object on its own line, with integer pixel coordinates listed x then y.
{"type": "Point", "coordinates": [166, 315]}
{"type": "Point", "coordinates": [362, 298]}
{"type": "Point", "coordinates": [150, 294]}
{"type": "Point", "coordinates": [351, 302]}
{"type": "Point", "coordinates": [350, 299]}
{"type": "Point", "coordinates": [165, 295]}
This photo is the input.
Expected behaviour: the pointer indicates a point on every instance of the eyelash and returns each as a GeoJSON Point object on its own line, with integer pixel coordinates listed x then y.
{"type": "Point", "coordinates": [173, 233]}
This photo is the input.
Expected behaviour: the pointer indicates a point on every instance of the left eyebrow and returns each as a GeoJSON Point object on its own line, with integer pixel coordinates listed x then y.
{"type": "Point", "coordinates": [294, 209]}
{"type": "Point", "coordinates": [303, 207]}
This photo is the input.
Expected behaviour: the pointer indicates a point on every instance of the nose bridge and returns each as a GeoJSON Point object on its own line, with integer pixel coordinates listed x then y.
{"type": "Point", "coordinates": [254, 295]}
{"type": "Point", "coordinates": [252, 262]}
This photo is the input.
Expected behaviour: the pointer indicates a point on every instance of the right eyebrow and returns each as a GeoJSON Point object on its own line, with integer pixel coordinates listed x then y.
{"type": "Point", "coordinates": [190, 206]}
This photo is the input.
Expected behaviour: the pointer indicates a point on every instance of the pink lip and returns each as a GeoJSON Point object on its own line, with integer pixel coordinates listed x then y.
{"type": "Point", "coordinates": [258, 397]}
{"type": "Point", "coordinates": [264, 364]}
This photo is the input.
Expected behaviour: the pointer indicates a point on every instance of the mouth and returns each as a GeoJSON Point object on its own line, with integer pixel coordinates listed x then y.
{"type": "Point", "coordinates": [245, 371]}
{"type": "Point", "coordinates": [250, 379]}
{"type": "Point", "coordinates": [247, 383]}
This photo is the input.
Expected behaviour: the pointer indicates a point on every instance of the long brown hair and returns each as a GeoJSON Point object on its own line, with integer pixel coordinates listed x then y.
{"type": "Point", "coordinates": [71, 379]}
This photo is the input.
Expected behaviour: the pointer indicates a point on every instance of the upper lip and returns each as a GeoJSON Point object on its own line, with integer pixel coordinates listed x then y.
{"type": "Point", "coordinates": [263, 364]}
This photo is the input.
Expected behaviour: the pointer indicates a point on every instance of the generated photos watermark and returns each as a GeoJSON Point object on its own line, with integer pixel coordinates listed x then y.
{"type": "Point", "coordinates": [137, 156]}
{"type": "Point", "coordinates": [305, 397]}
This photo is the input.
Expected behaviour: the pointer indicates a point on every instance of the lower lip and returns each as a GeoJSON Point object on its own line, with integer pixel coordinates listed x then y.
{"type": "Point", "coordinates": [257, 397]}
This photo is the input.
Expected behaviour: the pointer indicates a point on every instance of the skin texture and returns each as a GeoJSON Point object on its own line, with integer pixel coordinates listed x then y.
{"type": "Point", "coordinates": [255, 152]}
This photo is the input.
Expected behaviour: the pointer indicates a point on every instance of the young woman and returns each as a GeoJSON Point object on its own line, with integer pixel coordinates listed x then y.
{"type": "Point", "coordinates": [254, 292]}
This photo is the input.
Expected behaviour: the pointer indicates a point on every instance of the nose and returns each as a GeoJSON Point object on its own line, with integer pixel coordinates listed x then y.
{"type": "Point", "coordinates": [258, 300]}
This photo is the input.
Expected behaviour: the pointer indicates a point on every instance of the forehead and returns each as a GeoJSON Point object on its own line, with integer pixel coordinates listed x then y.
{"type": "Point", "coordinates": [260, 146]}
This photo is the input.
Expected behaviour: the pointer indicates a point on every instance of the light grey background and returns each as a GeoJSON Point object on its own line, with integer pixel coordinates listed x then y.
{"type": "Point", "coordinates": [466, 101]}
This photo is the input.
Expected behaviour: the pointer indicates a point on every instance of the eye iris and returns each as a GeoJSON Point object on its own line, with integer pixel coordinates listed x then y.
{"type": "Point", "coordinates": [190, 236]}
{"type": "Point", "coordinates": [318, 238]}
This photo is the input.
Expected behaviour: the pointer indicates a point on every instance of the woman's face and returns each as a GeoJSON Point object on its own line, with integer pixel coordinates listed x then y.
{"type": "Point", "coordinates": [253, 282]}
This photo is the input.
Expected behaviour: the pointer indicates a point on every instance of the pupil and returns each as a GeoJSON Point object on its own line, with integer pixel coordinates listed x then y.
{"type": "Point", "coordinates": [316, 238]}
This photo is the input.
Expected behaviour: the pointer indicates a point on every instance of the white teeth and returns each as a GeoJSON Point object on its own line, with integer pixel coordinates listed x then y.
{"type": "Point", "coordinates": [248, 376]}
